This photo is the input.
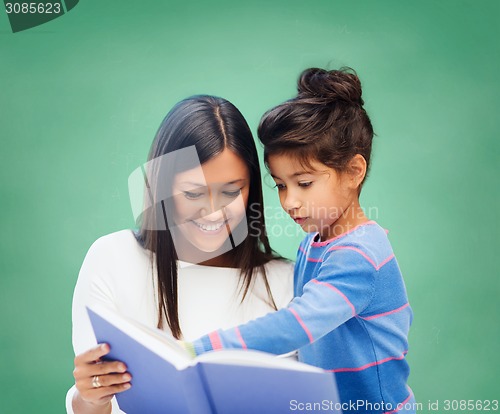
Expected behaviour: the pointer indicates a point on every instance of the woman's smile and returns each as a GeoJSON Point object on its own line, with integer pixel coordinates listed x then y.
{"type": "Point", "coordinates": [211, 228]}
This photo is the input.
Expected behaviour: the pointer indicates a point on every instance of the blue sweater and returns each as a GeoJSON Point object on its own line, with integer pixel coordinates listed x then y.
{"type": "Point", "coordinates": [350, 316]}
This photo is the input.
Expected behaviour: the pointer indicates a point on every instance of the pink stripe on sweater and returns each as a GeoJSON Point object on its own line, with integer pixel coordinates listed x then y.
{"type": "Point", "coordinates": [215, 340]}
{"type": "Point", "coordinates": [371, 364]}
{"type": "Point", "coordinates": [386, 261]}
{"type": "Point", "coordinates": [367, 318]}
{"type": "Point", "coordinates": [362, 253]}
{"type": "Point", "coordinates": [301, 322]}
{"type": "Point", "coordinates": [339, 292]}
{"type": "Point", "coordinates": [238, 334]}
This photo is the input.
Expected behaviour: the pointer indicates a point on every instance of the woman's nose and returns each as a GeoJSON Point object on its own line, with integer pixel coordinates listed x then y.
{"type": "Point", "coordinates": [215, 216]}
{"type": "Point", "coordinates": [212, 208]}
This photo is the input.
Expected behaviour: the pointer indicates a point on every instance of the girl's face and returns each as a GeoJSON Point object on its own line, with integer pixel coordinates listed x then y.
{"type": "Point", "coordinates": [209, 202]}
{"type": "Point", "coordinates": [319, 198]}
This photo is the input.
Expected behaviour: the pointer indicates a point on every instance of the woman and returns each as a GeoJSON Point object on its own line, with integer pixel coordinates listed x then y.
{"type": "Point", "coordinates": [201, 259]}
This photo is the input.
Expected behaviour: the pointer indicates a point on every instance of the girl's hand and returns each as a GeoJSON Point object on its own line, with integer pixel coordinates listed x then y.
{"type": "Point", "coordinates": [98, 381]}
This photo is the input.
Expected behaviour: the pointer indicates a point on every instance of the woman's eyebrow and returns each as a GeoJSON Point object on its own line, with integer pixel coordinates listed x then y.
{"type": "Point", "coordinates": [193, 184]}
{"type": "Point", "coordinates": [205, 184]}
{"type": "Point", "coordinates": [239, 180]}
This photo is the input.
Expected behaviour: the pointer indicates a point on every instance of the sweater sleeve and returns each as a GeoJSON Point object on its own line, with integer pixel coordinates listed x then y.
{"type": "Point", "coordinates": [341, 289]}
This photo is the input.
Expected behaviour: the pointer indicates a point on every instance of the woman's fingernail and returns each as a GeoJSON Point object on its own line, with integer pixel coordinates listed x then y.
{"type": "Point", "coordinates": [126, 386]}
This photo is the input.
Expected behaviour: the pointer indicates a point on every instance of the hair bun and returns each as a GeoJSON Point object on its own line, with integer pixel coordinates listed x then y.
{"type": "Point", "coordinates": [324, 87]}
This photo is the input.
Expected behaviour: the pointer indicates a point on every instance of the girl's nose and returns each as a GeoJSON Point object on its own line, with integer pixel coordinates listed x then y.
{"type": "Point", "coordinates": [290, 202]}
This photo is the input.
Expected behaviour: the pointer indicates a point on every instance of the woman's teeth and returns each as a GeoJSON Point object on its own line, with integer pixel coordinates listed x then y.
{"type": "Point", "coordinates": [209, 227]}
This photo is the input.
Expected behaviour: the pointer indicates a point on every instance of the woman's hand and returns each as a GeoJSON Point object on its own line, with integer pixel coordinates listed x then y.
{"type": "Point", "coordinates": [98, 381]}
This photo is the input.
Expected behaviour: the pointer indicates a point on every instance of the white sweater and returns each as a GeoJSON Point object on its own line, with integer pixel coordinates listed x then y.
{"type": "Point", "coordinates": [117, 272]}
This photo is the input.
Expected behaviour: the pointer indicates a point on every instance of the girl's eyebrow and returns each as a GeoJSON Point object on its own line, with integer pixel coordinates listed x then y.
{"type": "Point", "coordinates": [295, 174]}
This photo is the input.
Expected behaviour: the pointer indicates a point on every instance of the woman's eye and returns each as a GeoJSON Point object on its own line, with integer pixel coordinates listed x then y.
{"type": "Point", "coordinates": [305, 184]}
{"type": "Point", "coordinates": [280, 186]}
{"type": "Point", "coordinates": [191, 195]}
{"type": "Point", "coordinates": [233, 194]}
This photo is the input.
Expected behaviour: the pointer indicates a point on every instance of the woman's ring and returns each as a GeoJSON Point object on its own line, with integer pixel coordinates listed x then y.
{"type": "Point", "coordinates": [95, 382]}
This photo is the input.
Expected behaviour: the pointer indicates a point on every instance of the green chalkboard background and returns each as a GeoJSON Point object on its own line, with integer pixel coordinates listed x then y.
{"type": "Point", "coordinates": [81, 98]}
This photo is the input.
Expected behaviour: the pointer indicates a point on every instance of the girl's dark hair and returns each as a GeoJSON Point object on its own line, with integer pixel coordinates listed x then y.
{"type": "Point", "coordinates": [210, 124]}
{"type": "Point", "coordinates": [326, 121]}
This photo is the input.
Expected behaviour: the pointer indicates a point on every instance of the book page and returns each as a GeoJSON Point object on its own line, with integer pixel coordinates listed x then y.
{"type": "Point", "coordinates": [254, 358]}
{"type": "Point", "coordinates": [157, 341]}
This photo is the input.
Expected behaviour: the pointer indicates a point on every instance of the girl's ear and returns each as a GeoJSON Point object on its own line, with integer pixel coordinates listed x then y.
{"type": "Point", "coordinates": [357, 170]}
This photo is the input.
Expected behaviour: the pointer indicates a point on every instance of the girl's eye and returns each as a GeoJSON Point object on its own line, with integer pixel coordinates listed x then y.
{"type": "Point", "coordinates": [305, 184]}
{"type": "Point", "coordinates": [191, 195]}
{"type": "Point", "coordinates": [232, 194]}
{"type": "Point", "coordinates": [279, 186]}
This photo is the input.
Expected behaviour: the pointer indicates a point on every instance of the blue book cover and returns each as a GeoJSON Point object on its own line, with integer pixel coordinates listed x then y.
{"type": "Point", "coordinates": [165, 379]}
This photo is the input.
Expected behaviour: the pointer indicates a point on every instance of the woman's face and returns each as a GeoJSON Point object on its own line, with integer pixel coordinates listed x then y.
{"type": "Point", "coordinates": [209, 202]}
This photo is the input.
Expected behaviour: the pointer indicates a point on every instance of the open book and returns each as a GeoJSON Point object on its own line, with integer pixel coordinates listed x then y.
{"type": "Point", "coordinates": [166, 379]}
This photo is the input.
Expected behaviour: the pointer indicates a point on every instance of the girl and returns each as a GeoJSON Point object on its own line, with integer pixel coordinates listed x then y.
{"type": "Point", "coordinates": [192, 267]}
{"type": "Point", "coordinates": [351, 314]}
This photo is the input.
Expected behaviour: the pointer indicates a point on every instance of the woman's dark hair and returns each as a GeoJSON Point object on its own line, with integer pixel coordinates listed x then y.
{"type": "Point", "coordinates": [211, 125]}
{"type": "Point", "coordinates": [326, 121]}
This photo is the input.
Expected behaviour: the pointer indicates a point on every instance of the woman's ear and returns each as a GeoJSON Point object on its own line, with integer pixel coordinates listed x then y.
{"type": "Point", "coordinates": [357, 170]}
